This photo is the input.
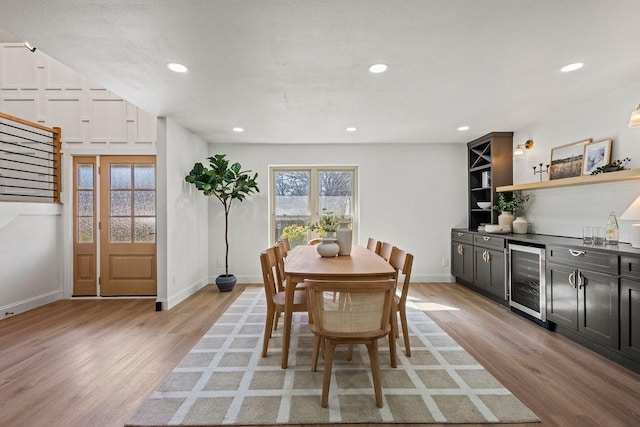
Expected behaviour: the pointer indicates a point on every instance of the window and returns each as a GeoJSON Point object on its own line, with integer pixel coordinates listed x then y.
{"type": "Point", "coordinates": [300, 195]}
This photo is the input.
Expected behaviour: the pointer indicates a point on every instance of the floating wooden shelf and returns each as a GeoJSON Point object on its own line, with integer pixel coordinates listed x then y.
{"type": "Point", "coordinates": [624, 175]}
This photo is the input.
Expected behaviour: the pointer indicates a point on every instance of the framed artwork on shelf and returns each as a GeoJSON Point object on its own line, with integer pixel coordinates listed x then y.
{"type": "Point", "coordinates": [566, 160]}
{"type": "Point", "coordinates": [596, 154]}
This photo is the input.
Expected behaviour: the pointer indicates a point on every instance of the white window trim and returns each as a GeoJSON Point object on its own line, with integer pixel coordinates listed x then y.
{"type": "Point", "coordinates": [313, 197]}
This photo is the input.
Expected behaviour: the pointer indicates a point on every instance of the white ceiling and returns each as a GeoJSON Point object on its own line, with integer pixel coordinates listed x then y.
{"type": "Point", "coordinates": [296, 71]}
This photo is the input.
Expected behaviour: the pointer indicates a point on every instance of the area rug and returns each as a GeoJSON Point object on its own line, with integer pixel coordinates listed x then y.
{"type": "Point", "coordinates": [224, 380]}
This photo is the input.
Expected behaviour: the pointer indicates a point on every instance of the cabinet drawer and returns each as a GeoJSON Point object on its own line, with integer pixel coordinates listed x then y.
{"type": "Point", "coordinates": [630, 266]}
{"type": "Point", "coordinates": [490, 242]}
{"type": "Point", "coordinates": [462, 236]}
{"type": "Point", "coordinates": [581, 257]}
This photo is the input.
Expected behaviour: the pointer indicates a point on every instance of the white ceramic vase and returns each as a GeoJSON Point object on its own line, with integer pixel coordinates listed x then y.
{"type": "Point", "coordinates": [328, 248]}
{"type": "Point", "coordinates": [505, 218]}
{"type": "Point", "coordinates": [345, 238]}
{"type": "Point", "coordinates": [520, 225]}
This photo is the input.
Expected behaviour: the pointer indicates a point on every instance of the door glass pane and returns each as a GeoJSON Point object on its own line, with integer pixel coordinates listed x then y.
{"type": "Point", "coordinates": [120, 230]}
{"type": "Point", "coordinates": [85, 230]}
{"type": "Point", "coordinates": [85, 203]}
{"type": "Point", "coordinates": [144, 230]}
{"type": "Point", "coordinates": [335, 189]}
{"type": "Point", "coordinates": [144, 176]}
{"type": "Point", "coordinates": [120, 176]}
{"type": "Point", "coordinates": [120, 203]}
{"type": "Point", "coordinates": [85, 176]}
{"type": "Point", "coordinates": [292, 193]}
{"type": "Point", "coordinates": [144, 203]}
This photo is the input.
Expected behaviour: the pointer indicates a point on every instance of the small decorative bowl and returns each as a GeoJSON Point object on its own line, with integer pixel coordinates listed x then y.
{"type": "Point", "coordinates": [484, 205]}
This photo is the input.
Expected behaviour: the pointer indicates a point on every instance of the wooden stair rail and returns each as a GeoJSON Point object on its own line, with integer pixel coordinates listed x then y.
{"type": "Point", "coordinates": [17, 167]}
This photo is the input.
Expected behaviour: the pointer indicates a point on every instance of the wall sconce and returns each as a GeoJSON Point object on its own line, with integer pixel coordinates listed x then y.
{"type": "Point", "coordinates": [634, 121]}
{"type": "Point", "coordinates": [519, 151]}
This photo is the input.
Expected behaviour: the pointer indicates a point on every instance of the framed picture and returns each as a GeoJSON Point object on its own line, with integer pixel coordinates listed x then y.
{"type": "Point", "coordinates": [566, 160]}
{"type": "Point", "coordinates": [596, 154]}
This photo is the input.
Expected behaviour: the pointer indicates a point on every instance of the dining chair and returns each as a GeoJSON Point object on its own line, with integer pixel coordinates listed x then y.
{"type": "Point", "coordinates": [402, 261]}
{"type": "Point", "coordinates": [281, 253]}
{"type": "Point", "coordinates": [315, 241]}
{"type": "Point", "coordinates": [275, 298]}
{"type": "Point", "coordinates": [360, 314]}
{"type": "Point", "coordinates": [374, 245]}
{"type": "Point", "coordinates": [385, 250]}
{"type": "Point", "coordinates": [286, 243]}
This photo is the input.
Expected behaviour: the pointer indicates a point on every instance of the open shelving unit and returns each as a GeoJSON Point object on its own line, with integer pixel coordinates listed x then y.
{"type": "Point", "coordinates": [489, 157]}
{"type": "Point", "coordinates": [625, 175]}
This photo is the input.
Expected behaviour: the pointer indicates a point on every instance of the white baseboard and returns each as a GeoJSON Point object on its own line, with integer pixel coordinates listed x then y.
{"type": "Point", "coordinates": [175, 299]}
{"type": "Point", "coordinates": [29, 304]}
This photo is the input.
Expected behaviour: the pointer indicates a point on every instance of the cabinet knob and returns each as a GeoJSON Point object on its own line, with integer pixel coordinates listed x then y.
{"type": "Point", "coordinates": [582, 281]}
{"type": "Point", "coordinates": [460, 234]}
{"type": "Point", "coordinates": [460, 249]}
{"type": "Point", "coordinates": [486, 238]}
{"type": "Point", "coordinates": [576, 253]}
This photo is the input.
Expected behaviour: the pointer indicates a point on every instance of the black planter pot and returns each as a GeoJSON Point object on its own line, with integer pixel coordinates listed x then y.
{"type": "Point", "coordinates": [226, 282]}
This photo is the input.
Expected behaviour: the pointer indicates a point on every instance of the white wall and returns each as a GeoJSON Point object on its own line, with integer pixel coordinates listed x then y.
{"type": "Point", "coordinates": [182, 216]}
{"type": "Point", "coordinates": [30, 256]}
{"type": "Point", "coordinates": [564, 211]}
{"type": "Point", "coordinates": [410, 195]}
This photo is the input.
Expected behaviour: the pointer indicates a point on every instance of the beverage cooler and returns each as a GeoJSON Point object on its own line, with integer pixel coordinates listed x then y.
{"type": "Point", "coordinates": [527, 292]}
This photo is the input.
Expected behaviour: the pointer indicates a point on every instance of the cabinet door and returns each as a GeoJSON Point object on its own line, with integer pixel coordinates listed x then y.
{"type": "Point", "coordinates": [462, 261]}
{"type": "Point", "coordinates": [562, 298]}
{"type": "Point", "coordinates": [489, 271]}
{"type": "Point", "coordinates": [598, 307]}
{"type": "Point", "coordinates": [630, 318]}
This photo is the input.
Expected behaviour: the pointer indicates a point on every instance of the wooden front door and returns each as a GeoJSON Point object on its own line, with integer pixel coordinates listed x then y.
{"type": "Point", "coordinates": [127, 225]}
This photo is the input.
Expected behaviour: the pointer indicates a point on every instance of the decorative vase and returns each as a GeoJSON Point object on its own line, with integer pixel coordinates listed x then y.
{"type": "Point", "coordinates": [226, 282]}
{"type": "Point", "coordinates": [328, 248]}
{"type": "Point", "coordinates": [520, 225]}
{"type": "Point", "coordinates": [345, 238]}
{"type": "Point", "coordinates": [505, 218]}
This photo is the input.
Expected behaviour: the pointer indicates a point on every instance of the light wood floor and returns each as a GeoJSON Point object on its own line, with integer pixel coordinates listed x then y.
{"type": "Point", "coordinates": [91, 362]}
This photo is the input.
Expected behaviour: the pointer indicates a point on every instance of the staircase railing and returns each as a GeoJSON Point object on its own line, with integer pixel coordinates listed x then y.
{"type": "Point", "coordinates": [30, 161]}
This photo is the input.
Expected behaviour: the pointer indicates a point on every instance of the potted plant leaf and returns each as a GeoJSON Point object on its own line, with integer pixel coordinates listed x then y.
{"type": "Point", "coordinates": [226, 183]}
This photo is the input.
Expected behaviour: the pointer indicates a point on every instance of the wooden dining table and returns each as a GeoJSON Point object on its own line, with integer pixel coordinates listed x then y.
{"type": "Point", "coordinates": [304, 262]}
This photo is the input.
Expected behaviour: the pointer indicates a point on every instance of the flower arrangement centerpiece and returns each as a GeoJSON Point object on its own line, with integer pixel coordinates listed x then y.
{"type": "Point", "coordinates": [327, 225]}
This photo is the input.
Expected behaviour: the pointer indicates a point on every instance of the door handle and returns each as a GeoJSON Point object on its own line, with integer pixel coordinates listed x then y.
{"type": "Point", "coordinates": [582, 281]}
{"type": "Point", "coordinates": [488, 256]}
{"type": "Point", "coordinates": [572, 279]}
{"type": "Point", "coordinates": [460, 249]}
{"type": "Point", "coordinates": [576, 253]}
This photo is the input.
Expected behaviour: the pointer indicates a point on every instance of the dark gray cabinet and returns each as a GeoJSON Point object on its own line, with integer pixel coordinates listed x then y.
{"type": "Point", "coordinates": [630, 306]}
{"type": "Point", "coordinates": [462, 256]}
{"type": "Point", "coordinates": [582, 293]}
{"type": "Point", "coordinates": [490, 264]}
{"type": "Point", "coordinates": [479, 262]}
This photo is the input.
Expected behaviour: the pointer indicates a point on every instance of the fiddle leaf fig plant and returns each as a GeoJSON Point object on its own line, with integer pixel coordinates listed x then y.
{"type": "Point", "coordinates": [226, 183]}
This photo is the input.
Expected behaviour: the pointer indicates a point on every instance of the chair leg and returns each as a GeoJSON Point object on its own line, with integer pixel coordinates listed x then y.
{"type": "Point", "coordinates": [350, 352]}
{"type": "Point", "coordinates": [405, 331]}
{"type": "Point", "coordinates": [392, 341]}
{"type": "Point", "coordinates": [275, 322]}
{"type": "Point", "coordinates": [316, 352]}
{"type": "Point", "coordinates": [329, 347]}
{"type": "Point", "coordinates": [372, 347]}
{"type": "Point", "coordinates": [268, 324]}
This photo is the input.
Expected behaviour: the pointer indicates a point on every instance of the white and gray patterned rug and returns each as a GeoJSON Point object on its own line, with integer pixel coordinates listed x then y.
{"type": "Point", "coordinates": [224, 380]}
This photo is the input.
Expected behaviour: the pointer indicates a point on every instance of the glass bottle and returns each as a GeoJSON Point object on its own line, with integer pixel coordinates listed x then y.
{"type": "Point", "coordinates": [611, 232]}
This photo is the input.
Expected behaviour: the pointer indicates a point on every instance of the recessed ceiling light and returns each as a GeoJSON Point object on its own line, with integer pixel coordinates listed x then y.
{"type": "Point", "coordinates": [237, 129]}
{"type": "Point", "coordinates": [463, 128]}
{"type": "Point", "coordinates": [572, 67]}
{"type": "Point", "coordinates": [378, 68]}
{"type": "Point", "coordinates": [352, 129]}
{"type": "Point", "coordinates": [178, 68]}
